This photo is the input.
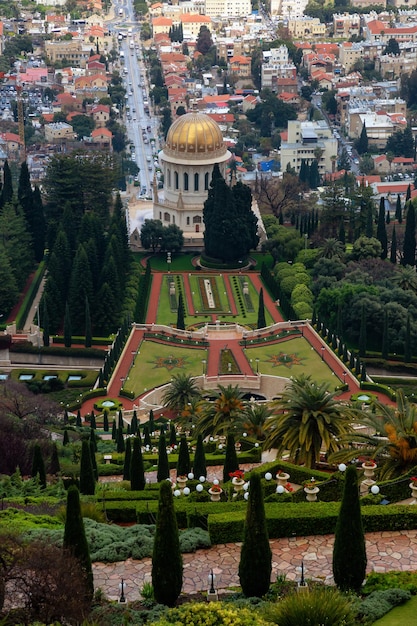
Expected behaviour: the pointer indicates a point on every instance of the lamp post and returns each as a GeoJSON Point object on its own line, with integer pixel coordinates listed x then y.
{"type": "Point", "coordinates": [257, 365]}
{"type": "Point", "coordinates": [122, 598]}
{"type": "Point", "coordinates": [322, 353]}
{"type": "Point", "coordinates": [244, 340]}
{"type": "Point", "coordinates": [203, 362]}
{"type": "Point", "coordinates": [212, 594]}
{"type": "Point", "coordinates": [344, 378]}
{"type": "Point", "coordinates": [169, 261]}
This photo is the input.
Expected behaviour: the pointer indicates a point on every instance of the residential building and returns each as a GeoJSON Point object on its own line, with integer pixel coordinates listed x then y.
{"type": "Point", "coordinates": [306, 27]}
{"type": "Point", "coordinates": [59, 132]}
{"type": "Point", "coordinates": [379, 126]}
{"type": "Point", "coordinates": [74, 51]}
{"type": "Point", "coordinates": [191, 24]}
{"type": "Point", "coordinates": [228, 8]}
{"type": "Point", "coordinates": [240, 66]}
{"type": "Point", "coordinates": [304, 141]}
{"type": "Point", "coordinates": [345, 24]}
{"type": "Point", "coordinates": [289, 9]}
{"type": "Point", "coordinates": [349, 54]}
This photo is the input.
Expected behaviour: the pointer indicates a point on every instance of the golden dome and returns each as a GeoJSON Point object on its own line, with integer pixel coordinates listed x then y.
{"type": "Point", "coordinates": [194, 134]}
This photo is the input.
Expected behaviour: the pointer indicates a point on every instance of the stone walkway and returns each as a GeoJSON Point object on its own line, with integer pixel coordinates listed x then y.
{"type": "Point", "coordinates": [385, 550]}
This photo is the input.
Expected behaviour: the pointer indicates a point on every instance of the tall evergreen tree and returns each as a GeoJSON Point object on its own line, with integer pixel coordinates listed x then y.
{"type": "Point", "coordinates": [230, 460]}
{"type": "Point", "coordinates": [78, 421]}
{"type": "Point", "coordinates": [393, 251]}
{"type": "Point", "coordinates": [146, 437]}
{"type": "Point", "coordinates": [166, 581]}
{"type": "Point", "coordinates": [93, 424]}
{"type": "Point", "coordinates": [81, 289]}
{"type": "Point", "coordinates": [120, 441]}
{"type": "Point", "coordinates": [106, 421]}
{"type": "Point", "coordinates": [134, 423]}
{"type": "Point", "coordinates": [65, 440]}
{"type": "Point", "coordinates": [172, 435]}
{"type": "Point", "coordinates": [54, 464]}
{"type": "Point", "coordinates": [67, 328]}
{"type": "Point", "coordinates": [409, 246]}
{"type": "Point", "coordinates": [75, 540]}
{"type": "Point", "coordinates": [163, 465]}
{"type": "Point", "coordinates": [255, 554]}
{"type": "Point", "coordinates": [381, 230]}
{"type": "Point", "coordinates": [128, 460]}
{"type": "Point", "coordinates": [408, 193]}
{"type": "Point", "coordinates": [88, 336]}
{"type": "Point", "coordinates": [398, 210]}
{"type": "Point", "coordinates": [38, 466]}
{"type": "Point", "coordinates": [362, 143]}
{"type": "Point", "coordinates": [93, 445]}
{"type": "Point", "coordinates": [6, 194]}
{"type": "Point", "coordinates": [184, 463]}
{"type": "Point", "coordinates": [114, 430]}
{"type": "Point", "coordinates": [180, 313]}
{"type": "Point", "coordinates": [314, 175]}
{"type": "Point", "coordinates": [261, 323]}
{"type": "Point", "coordinates": [45, 324]}
{"type": "Point", "coordinates": [38, 225]}
{"type": "Point", "coordinates": [199, 465]}
{"type": "Point", "coordinates": [137, 472]}
{"type": "Point", "coordinates": [87, 481]}
{"type": "Point", "coordinates": [349, 551]}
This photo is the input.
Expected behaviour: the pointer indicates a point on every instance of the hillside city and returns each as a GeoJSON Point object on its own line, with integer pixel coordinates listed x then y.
{"type": "Point", "coordinates": [208, 312]}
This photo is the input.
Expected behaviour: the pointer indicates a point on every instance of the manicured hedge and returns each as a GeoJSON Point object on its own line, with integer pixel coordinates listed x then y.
{"type": "Point", "coordinates": [381, 388]}
{"type": "Point", "coordinates": [309, 518]}
{"type": "Point", "coordinates": [95, 341]}
{"type": "Point", "coordinates": [25, 347]}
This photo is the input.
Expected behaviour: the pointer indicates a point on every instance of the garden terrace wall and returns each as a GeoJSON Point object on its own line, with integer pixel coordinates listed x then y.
{"type": "Point", "coordinates": [308, 518]}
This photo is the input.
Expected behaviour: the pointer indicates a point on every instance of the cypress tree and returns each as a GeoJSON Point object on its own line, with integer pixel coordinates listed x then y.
{"type": "Point", "coordinates": [65, 440]}
{"type": "Point", "coordinates": [78, 421]}
{"type": "Point", "coordinates": [385, 336]}
{"type": "Point", "coordinates": [106, 421]}
{"type": "Point", "coordinates": [137, 472]}
{"type": "Point", "coordinates": [45, 323]}
{"type": "Point", "coordinates": [409, 246]}
{"type": "Point", "coordinates": [54, 465]}
{"type": "Point", "coordinates": [93, 439]}
{"type": "Point", "coordinates": [334, 342]}
{"type": "Point", "coordinates": [87, 482]}
{"type": "Point", "coordinates": [230, 460]}
{"type": "Point", "coordinates": [146, 438]}
{"type": "Point", "coordinates": [134, 423]}
{"type": "Point", "coordinates": [342, 233]}
{"type": "Point", "coordinates": [166, 581]}
{"type": "Point", "coordinates": [393, 253]}
{"type": "Point", "coordinates": [114, 430]}
{"type": "Point", "coordinates": [67, 328]}
{"type": "Point", "coordinates": [381, 230]}
{"type": "Point", "coordinates": [6, 194]}
{"type": "Point", "coordinates": [88, 335]}
{"type": "Point", "coordinates": [75, 540]}
{"type": "Point", "coordinates": [388, 218]}
{"type": "Point", "coordinates": [183, 464]}
{"type": "Point", "coordinates": [369, 228]}
{"type": "Point", "coordinates": [93, 420]}
{"type": "Point", "coordinates": [128, 460]}
{"type": "Point", "coordinates": [261, 323]}
{"type": "Point", "coordinates": [352, 360]}
{"type": "Point", "coordinates": [357, 366]}
{"type": "Point", "coordinates": [255, 554]}
{"type": "Point", "coordinates": [120, 441]}
{"type": "Point", "coordinates": [93, 445]}
{"type": "Point", "coordinates": [163, 465]}
{"type": "Point", "coordinates": [38, 225]}
{"type": "Point", "coordinates": [151, 423]}
{"type": "Point", "coordinates": [363, 372]}
{"type": "Point", "coordinates": [407, 343]}
{"type": "Point", "coordinates": [398, 210]}
{"type": "Point", "coordinates": [120, 422]}
{"type": "Point", "coordinates": [345, 353]}
{"type": "Point", "coordinates": [408, 193]}
{"type": "Point", "coordinates": [362, 144]}
{"type": "Point", "coordinates": [199, 466]}
{"type": "Point", "coordinates": [38, 466]}
{"type": "Point", "coordinates": [349, 551]}
{"type": "Point", "coordinates": [180, 313]}
{"type": "Point", "coordinates": [172, 435]}
{"type": "Point", "coordinates": [362, 333]}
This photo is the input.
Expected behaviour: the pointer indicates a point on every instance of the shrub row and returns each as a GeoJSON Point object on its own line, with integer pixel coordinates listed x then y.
{"type": "Point", "coordinates": [81, 353]}
{"type": "Point", "coordinates": [95, 341]}
{"type": "Point", "coordinates": [378, 387]}
{"type": "Point", "coordinates": [184, 341]}
{"type": "Point", "coordinates": [30, 296]}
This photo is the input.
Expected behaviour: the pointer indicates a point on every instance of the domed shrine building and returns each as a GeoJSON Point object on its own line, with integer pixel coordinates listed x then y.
{"type": "Point", "coordinates": [193, 145]}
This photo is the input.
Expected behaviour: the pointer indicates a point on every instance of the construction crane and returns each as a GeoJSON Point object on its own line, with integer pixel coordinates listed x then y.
{"type": "Point", "coordinates": [21, 117]}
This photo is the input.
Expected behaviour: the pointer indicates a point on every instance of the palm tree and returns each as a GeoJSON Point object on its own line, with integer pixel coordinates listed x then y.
{"type": "Point", "coordinates": [406, 278]}
{"type": "Point", "coordinates": [390, 438]}
{"type": "Point", "coordinates": [253, 420]}
{"type": "Point", "coordinates": [191, 413]}
{"type": "Point", "coordinates": [182, 391]}
{"type": "Point", "coordinates": [219, 414]}
{"type": "Point", "coordinates": [332, 249]}
{"type": "Point", "coordinates": [309, 420]}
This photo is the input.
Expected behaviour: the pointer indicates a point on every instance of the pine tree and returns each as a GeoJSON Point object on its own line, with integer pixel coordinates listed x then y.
{"type": "Point", "coordinates": [106, 421]}
{"type": "Point", "coordinates": [261, 323]}
{"type": "Point", "coordinates": [38, 466]}
{"type": "Point", "coordinates": [180, 313]}
{"type": "Point", "coordinates": [349, 551]}
{"type": "Point", "coordinates": [388, 218]}
{"type": "Point", "coordinates": [409, 245]}
{"type": "Point", "coordinates": [255, 554]}
{"type": "Point", "coordinates": [393, 252]}
{"type": "Point", "coordinates": [88, 336]}
{"type": "Point", "coordinates": [54, 464]}
{"type": "Point", "coordinates": [6, 194]}
{"type": "Point", "coordinates": [408, 193]}
{"type": "Point", "coordinates": [65, 440]}
{"type": "Point", "coordinates": [407, 343]}
{"type": "Point", "coordinates": [163, 465]}
{"type": "Point", "coordinates": [362, 143]}
{"type": "Point", "coordinates": [87, 481]}
{"type": "Point", "coordinates": [75, 540]}
{"type": "Point", "coordinates": [78, 421]}
{"type": "Point", "coordinates": [134, 423]}
{"type": "Point", "coordinates": [120, 423]}
{"type": "Point", "coordinates": [128, 460]}
{"type": "Point", "coordinates": [93, 424]}
{"type": "Point", "coordinates": [381, 230]}
{"type": "Point", "coordinates": [151, 423]}
{"type": "Point", "coordinates": [137, 472]}
{"type": "Point", "coordinates": [67, 328]}
{"type": "Point", "coordinates": [93, 439]}
{"type": "Point", "coordinates": [120, 441]}
{"type": "Point", "coordinates": [183, 464]}
{"type": "Point", "coordinates": [172, 435]}
{"type": "Point", "coordinates": [199, 465]}
{"type": "Point", "coordinates": [146, 438]}
{"type": "Point", "coordinates": [93, 448]}
{"type": "Point", "coordinates": [114, 430]}
{"type": "Point", "coordinates": [166, 581]}
{"type": "Point", "coordinates": [230, 460]}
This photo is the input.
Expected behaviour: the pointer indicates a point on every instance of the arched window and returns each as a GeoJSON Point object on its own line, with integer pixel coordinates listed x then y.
{"type": "Point", "coordinates": [185, 181]}
{"type": "Point", "coordinates": [167, 217]}
{"type": "Point", "coordinates": [169, 177]}
{"type": "Point", "coordinates": [176, 180]}
{"type": "Point", "coordinates": [188, 221]}
{"type": "Point", "coordinates": [197, 219]}
{"type": "Point", "coordinates": [206, 181]}
{"type": "Point", "coordinates": [196, 182]}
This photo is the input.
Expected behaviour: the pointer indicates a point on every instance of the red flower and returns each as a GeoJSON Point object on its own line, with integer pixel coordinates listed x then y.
{"type": "Point", "coordinates": [289, 488]}
{"type": "Point", "coordinates": [237, 474]}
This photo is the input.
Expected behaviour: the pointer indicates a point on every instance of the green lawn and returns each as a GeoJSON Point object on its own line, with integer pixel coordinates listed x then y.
{"type": "Point", "coordinates": [292, 358]}
{"type": "Point", "coordinates": [179, 262]}
{"type": "Point", "coordinates": [404, 615]}
{"type": "Point", "coordinates": [156, 363]}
